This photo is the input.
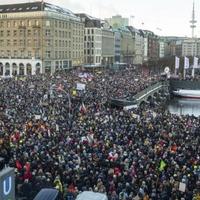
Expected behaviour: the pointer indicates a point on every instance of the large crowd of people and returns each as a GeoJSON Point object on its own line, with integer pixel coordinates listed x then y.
{"type": "Point", "coordinates": [57, 136]}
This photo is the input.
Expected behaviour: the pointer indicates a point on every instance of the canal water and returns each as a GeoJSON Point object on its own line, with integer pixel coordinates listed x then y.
{"type": "Point", "coordinates": [184, 106]}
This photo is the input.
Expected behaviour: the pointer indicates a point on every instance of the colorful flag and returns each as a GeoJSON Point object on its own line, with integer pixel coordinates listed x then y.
{"type": "Point", "coordinates": [74, 93]}
{"type": "Point", "coordinates": [162, 165]}
{"type": "Point", "coordinates": [60, 87]}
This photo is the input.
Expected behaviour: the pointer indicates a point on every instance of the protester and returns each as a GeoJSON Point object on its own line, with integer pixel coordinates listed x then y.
{"type": "Point", "coordinates": [69, 139]}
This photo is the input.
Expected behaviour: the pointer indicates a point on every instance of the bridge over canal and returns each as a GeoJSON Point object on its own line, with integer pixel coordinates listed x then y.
{"type": "Point", "coordinates": [145, 95]}
{"type": "Point", "coordinates": [151, 92]}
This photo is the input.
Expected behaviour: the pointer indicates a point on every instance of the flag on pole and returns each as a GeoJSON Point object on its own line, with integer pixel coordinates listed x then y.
{"type": "Point", "coordinates": [186, 63]}
{"type": "Point", "coordinates": [195, 63]}
{"type": "Point", "coordinates": [177, 62]}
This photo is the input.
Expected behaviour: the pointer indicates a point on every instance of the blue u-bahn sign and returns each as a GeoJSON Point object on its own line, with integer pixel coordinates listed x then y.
{"type": "Point", "coordinates": [7, 184]}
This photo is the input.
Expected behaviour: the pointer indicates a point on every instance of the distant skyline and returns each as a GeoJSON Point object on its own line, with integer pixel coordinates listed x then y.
{"type": "Point", "coordinates": [163, 17]}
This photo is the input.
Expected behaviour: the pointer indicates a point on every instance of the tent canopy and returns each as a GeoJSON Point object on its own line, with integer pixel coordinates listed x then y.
{"type": "Point", "coordinates": [91, 196]}
{"type": "Point", "coordinates": [47, 194]}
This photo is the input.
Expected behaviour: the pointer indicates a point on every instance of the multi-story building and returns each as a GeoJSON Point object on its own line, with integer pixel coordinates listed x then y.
{"type": "Point", "coordinates": [99, 42]}
{"type": "Point", "coordinates": [127, 46]}
{"type": "Point", "coordinates": [117, 45]}
{"type": "Point", "coordinates": [108, 45]}
{"type": "Point", "coordinates": [151, 46]}
{"type": "Point", "coordinates": [161, 48]}
{"type": "Point", "coordinates": [191, 47]}
{"type": "Point", "coordinates": [39, 37]}
{"type": "Point", "coordinates": [139, 45]}
{"type": "Point", "coordinates": [92, 40]}
{"type": "Point", "coordinates": [117, 21]}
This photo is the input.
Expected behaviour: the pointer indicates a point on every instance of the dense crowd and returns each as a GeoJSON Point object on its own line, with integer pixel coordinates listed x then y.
{"type": "Point", "coordinates": [57, 136]}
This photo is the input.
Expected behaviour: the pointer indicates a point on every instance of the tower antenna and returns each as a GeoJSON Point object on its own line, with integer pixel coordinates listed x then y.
{"type": "Point", "coordinates": [193, 21]}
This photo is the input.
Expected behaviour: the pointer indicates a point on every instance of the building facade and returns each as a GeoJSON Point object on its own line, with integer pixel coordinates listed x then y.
{"type": "Point", "coordinates": [139, 45]}
{"type": "Point", "coordinates": [191, 47]}
{"type": "Point", "coordinates": [92, 40]}
{"type": "Point", "coordinates": [151, 46]}
{"type": "Point", "coordinates": [99, 42]}
{"type": "Point", "coordinates": [108, 45]}
{"type": "Point", "coordinates": [127, 46]}
{"type": "Point", "coordinates": [117, 45]}
{"type": "Point", "coordinates": [117, 21]}
{"type": "Point", "coordinates": [39, 37]}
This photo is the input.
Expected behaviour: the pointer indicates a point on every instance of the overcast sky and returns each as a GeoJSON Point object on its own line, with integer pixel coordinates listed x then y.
{"type": "Point", "coordinates": [164, 17]}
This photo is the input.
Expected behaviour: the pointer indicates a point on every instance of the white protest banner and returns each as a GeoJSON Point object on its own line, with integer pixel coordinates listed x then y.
{"type": "Point", "coordinates": [37, 116]}
{"type": "Point", "coordinates": [182, 187]}
{"type": "Point", "coordinates": [80, 86]}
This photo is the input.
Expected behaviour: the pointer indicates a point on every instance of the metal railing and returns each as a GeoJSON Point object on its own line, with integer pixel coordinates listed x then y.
{"type": "Point", "coordinates": [149, 90]}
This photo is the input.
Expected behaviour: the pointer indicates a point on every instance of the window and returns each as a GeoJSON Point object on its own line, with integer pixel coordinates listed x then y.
{"type": "Point", "coordinates": [8, 24]}
{"type": "Point", "coordinates": [48, 54]}
{"type": "Point", "coordinates": [15, 53]}
{"type": "Point", "coordinates": [47, 23]}
{"type": "Point", "coordinates": [29, 32]}
{"type": "Point", "coordinates": [8, 33]}
{"type": "Point", "coordinates": [29, 54]}
{"type": "Point", "coordinates": [29, 42]}
{"type": "Point", "coordinates": [14, 42]}
{"type": "Point", "coordinates": [8, 53]}
{"type": "Point", "coordinates": [36, 23]}
{"type": "Point", "coordinates": [8, 42]}
{"type": "Point", "coordinates": [15, 24]}
{"type": "Point", "coordinates": [1, 24]}
{"type": "Point", "coordinates": [1, 33]}
{"type": "Point", "coordinates": [47, 32]}
{"type": "Point", "coordinates": [37, 54]}
{"type": "Point", "coordinates": [21, 42]}
{"type": "Point", "coordinates": [48, 42]}
{"type": "Point", "coordinates": [15, 33]}
{"type": "Point", "coordinates": [29, 22]}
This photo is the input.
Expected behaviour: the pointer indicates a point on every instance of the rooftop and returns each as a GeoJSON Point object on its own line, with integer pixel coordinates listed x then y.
{"type": "Point", "coordinates": [34, 6]}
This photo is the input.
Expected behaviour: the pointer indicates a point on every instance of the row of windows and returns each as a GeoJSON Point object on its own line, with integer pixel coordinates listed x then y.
{"type": "Point", "coordinates": [21, 42]}
{"type": "Point", "coordinates": [16, 33]}
{"type": "Point", "coordinates": [92, 51]}
{"type": "Point", "coordinates": [63, 24]}
{"type": "Point", "coordinates": [48, 54]}
{"type": "Point", "coordinates": [20, 54]}
{"type": "Point", "coordinates": [8, 24]}
{"type": "Point", "coordinates": [89, 59]}
{"type": "Point", "coordinates": [36, 42]}
{"type": "Point", "coordinates": [67, 54]}
{"type": "Point", "coordinates": [36, 32]}
{"type": "Point", "coordinates": [36, 22]}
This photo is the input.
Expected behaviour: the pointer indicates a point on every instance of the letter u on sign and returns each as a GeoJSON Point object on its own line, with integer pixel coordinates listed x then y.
{"type": "Point", "coordinates": [7, 185]}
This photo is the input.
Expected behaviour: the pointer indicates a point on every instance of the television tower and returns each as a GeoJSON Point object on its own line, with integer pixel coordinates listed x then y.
{"type": "Point", "coordinates": [193, 21]}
